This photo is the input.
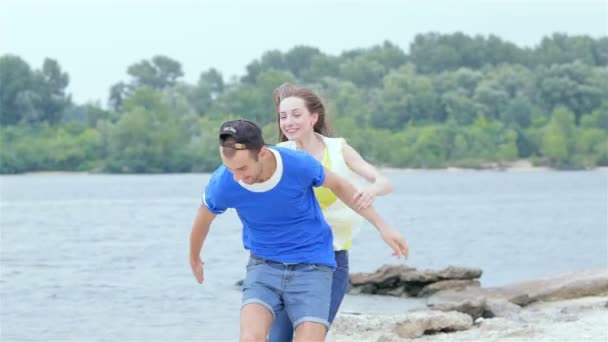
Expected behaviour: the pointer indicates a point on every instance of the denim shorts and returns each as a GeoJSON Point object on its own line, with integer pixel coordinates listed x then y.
{"type": "Point", "coordinates": [302, 290]}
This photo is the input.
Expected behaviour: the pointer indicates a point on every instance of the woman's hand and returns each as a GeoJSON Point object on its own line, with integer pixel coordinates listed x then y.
{"type": "Point", "coordinates": [364, 198]}
{"type": "Point", "coordinates": [395, 241]}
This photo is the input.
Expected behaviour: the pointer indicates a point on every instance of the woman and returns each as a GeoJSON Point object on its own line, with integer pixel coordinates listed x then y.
{"type": "Point", "coordinates": [301, 119]}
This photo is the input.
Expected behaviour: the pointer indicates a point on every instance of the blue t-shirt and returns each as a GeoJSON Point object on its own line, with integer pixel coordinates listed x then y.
{"type": "Point", "coordinates": [282, 220]}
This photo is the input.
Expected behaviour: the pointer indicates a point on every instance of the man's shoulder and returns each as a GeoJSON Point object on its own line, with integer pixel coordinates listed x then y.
{"type": "Point", "coordinates": [221, 177]}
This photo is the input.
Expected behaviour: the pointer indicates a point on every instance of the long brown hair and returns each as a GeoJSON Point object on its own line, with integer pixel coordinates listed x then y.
{"type": "Point", "coordinates": [312, 101]}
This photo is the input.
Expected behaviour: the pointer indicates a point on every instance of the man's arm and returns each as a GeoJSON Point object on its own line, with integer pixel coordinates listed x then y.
{"type": "Point", "coordinates": [345, 192]}
{"type": "Point", "coordinates": [200, 229]}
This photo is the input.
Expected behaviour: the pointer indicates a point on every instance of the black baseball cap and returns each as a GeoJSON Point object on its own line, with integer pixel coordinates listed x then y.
{"type": "Point", "coordinates": [247, 135]}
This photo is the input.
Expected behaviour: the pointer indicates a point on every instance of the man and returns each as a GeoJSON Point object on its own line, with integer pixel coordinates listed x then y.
{"type": "Point", "coordinates": [292, 257]}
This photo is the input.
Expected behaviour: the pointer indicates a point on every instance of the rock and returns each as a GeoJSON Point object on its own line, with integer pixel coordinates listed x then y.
{"type": "Point", "coordinates": [506, 327]}
{"type": "Point", "coordinates": [366, 288]}
{"type": "Point", "coordinates": [386, 276]}
{"type": "Point", "coordinates": [581, 319]}
{"type": "Point", "coordinates": [429, 276]}
{"type": "Point", "coordinates": [522, 299]}
{"type": "Point", "coordinates": [423, 277]}
{"type": "Point", "coordinates": [472, 303]}
{"type": "Point", "coordinates": [388, 280]}
{"type": "Point", "coordinates": [453, 272]}
{"type": "Point", "coordinates": [447, 285]}
{"type": "Point", "coordinates": [396, 292]}
{"type": "Point", "coordinates": [566, 286]}
{"type": "Point", "coordinates": [501, 308]}
{"type": "Point", "coordinates": [388, 338]}
{"type": "Point", "coordinates": [422, 322]}
{"type": "Point", "coordinates": [395, 327]}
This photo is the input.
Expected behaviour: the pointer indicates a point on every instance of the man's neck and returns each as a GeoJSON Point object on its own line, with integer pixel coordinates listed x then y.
{"type": "Point", "coordinates": [269, 166]}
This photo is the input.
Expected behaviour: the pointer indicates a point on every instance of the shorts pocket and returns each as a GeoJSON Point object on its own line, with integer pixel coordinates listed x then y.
{"type": "Point", "coordinates": [254, 261]}
{"type": "Point", "coordinates": [317, 267]}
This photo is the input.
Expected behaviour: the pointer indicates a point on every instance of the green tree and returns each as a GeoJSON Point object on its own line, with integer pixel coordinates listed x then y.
{"type": "Point", "coordinates": [273, 59]}
{"type": "Point", "coordinates": [345, 100]}
{"type": "Point", "coordinates": [321, 66]}
{"type": "Point", "coordinates": [253, 102]}
{"type": "Point", "coordinates": [597, 119]}
{"type": "Point", "coordinates": [558, 138]}
{"type": "Point", "coordinates": [600, 51]}
{"type": "Point", "coordinates": [158, 73]}
{"type": "Point", "coordinates": [571, 85]}
{"type": "Point", "coordinates": [32, 96]}
{"type": "Point", "coordinates": [15, 80]}
{"type": "Point", "coordinates": [563, 49]}
{"type": "Point", "coordinates": [460, 108]}
{"type": "Point", "coordinates": [299, 59]}
{"type": "Point", "coordinates": [152, 135]}
{"type": "Point", "coordinates": [118, 92]}
{"type": "Point", "coordinates": [430, 54]}
{"type": "Point", "coordinates": [462, 80]}
{"type": "Point", "coordinates": [388, 55]}
{"type": "Point", "coordinates": [363, 72]}
{"type": "Point", "coordinates": [52, 82]}
{"type": "Point", "coordinates": [406, 97]}
{"type": "Point", "coordinates": [210, 85]}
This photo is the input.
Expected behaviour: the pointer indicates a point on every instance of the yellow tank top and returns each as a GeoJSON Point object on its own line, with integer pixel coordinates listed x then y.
{"type": "Point", "coordinates": [324, 196]}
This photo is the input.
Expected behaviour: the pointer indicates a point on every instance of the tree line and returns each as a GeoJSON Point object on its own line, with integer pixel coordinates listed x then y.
{"type": "Point", "coordinates": [451, 100]}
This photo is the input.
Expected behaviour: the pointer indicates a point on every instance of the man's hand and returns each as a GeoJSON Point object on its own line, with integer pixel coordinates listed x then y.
{"type": "Point", "coordinates": [200, 228]}
{"type": "Point", "coordinates": [396, 242]}
{"type": "Point", "coordinates": [197, 269]}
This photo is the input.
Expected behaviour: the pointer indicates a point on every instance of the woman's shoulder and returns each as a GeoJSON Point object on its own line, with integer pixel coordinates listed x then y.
{"type": "Point", "coordinates": [287, 144]}
{"type": "Point", "coordinates": [333, 140]}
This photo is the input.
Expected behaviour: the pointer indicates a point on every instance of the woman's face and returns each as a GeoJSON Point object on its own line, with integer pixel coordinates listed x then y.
{"type": "Point", "coordinates": [294, 118]}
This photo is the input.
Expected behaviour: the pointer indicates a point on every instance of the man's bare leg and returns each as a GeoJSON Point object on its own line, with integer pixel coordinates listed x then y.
{"type": "Point", "coordinates": [255, 323]}
{"type": "Point", "coordinates": [310, 331]}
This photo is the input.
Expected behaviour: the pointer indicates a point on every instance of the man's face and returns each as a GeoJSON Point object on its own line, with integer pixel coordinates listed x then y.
{"type": "Point", "coordinates": [243, 166]}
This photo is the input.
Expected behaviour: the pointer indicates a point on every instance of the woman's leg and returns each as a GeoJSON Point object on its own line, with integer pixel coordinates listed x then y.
{"type": "Point", "coordinates": [339, 284]}
{"type": "Point", "coordinates": [282, 328]}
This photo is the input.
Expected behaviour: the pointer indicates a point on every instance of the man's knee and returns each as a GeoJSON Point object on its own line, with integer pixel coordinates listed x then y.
{"type": "Point", "coordinates": [256, 319]}
{"type": "Point", "coordinates": [310, 331]}
{"type": "Point", "coordinates": [251, 336]}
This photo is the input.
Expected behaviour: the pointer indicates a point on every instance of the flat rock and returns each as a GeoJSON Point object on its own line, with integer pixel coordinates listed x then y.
{"type": "Point", "coordinates": [454, 284]}
{"type": "Point", "coordinates": [424, 322]}
{"type": "Point", "coordinates": [565, 286]}
{"type": "Point", "coordinates": [396, 327]}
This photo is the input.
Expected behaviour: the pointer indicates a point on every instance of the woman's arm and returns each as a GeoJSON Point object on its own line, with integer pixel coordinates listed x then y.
{"type": "Point", "coordinates": [345, 190]}
{"type": "Point", "coordinates": [380, 185]}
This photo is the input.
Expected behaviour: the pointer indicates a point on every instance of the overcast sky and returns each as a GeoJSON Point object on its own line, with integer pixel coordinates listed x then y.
{"type": "Point", "coordinates": [95, 41]}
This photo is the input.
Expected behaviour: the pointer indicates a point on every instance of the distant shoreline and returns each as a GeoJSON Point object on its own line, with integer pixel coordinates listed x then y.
{"type": "Point", "coordinates": [522, 165]}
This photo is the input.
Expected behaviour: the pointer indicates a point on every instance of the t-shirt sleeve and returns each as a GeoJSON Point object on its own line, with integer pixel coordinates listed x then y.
{"type": "Point", "coordinates": [213, 197]}
{"type": "Point", "coordinates": [312, 170]}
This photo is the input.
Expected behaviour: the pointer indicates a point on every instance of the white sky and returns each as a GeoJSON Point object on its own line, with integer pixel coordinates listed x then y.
{"type": "Point", "coordinates": [95, 41]}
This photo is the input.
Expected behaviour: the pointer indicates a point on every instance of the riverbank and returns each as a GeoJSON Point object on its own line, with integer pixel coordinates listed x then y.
{"type": "Point", "coordinates": [521, 165]}
{"type": "Point", "coordinates": [566, 307]}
